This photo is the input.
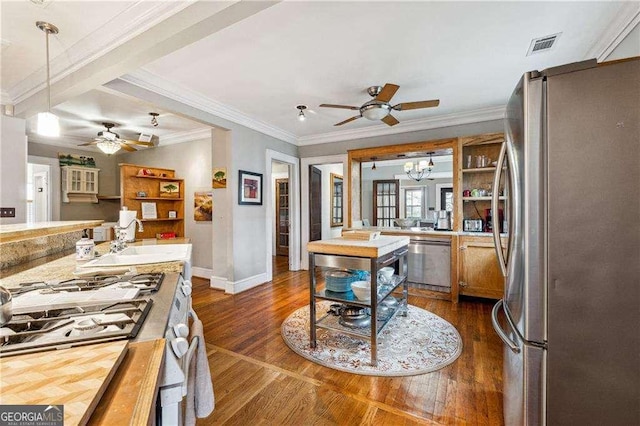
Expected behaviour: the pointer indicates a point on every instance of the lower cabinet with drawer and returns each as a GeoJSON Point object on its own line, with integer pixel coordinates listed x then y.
{"type": "Point", "coordinates": [479, 271]}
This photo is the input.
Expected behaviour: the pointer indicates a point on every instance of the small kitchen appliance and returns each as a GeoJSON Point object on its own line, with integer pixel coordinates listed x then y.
{"type": "Point", "coordinates": [444, 220]}
{"type": "Point", "coordinates": [472, 225]}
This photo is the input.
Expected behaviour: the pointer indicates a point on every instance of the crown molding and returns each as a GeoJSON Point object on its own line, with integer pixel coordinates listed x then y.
{"type": "Point", "coordinates": [454, 119]}
{"type": "Point", "coordinates": [138, 18]}
{"type": "Point", "coordinates": [149, 81]}
{"type": "Point", "coordinates": [186, 136]}
{"type": "Point", "coordinates": [624, 22]}
{"type": "Point", "coordinates": [5, 99]}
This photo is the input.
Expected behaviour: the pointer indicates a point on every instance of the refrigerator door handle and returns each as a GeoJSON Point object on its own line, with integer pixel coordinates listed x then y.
{"type": "Point", "coordinates": [496, 326]}
{"type": "Point", "coordinates": [495, 196]}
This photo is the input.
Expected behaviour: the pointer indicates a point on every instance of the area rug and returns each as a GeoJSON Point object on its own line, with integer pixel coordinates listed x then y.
{"type": "Point", "coordinates": [419, 343]}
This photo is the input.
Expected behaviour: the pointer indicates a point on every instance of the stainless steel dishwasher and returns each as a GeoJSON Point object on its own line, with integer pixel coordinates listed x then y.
{"type": "Point", "coordinates": [429, 263]}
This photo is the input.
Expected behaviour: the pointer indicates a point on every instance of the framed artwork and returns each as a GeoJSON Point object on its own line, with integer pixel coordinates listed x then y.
{"type": "Point", "coordinates": [203, 206]}
{"type": "Point", "coordinates": [76, 160]}
{"type": "Point", "coordinates": [219, 178]}
{"type": "Point", "coordinates": [170, 189]}
{"type": "Point", "coordinates": [250, 188]}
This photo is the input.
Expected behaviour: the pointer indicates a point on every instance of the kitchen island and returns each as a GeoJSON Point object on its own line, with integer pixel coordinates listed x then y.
{"type": "Point", "coordinates": [130, 392]}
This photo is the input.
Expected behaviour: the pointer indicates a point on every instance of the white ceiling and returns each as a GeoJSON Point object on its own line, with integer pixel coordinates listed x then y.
{"type": "Point", "coordinates": [467, 54]}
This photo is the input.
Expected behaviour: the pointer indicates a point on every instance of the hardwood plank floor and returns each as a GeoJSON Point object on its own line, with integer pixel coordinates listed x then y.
{"type": "Point", "coordinates": [257, 379]}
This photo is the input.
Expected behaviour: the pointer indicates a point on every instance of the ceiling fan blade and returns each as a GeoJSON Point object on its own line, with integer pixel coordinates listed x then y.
{"type": "Point", "coordinates": [132, 142]}
{"type": "Point", "coordinates": [390, 120]}
{"type": "Point", "coordinates": [339, 106]}
{"type": "Point", "coordinates": [387, 92]}
{"type": "Point", "coordinates": [127, 147]}
{"type": "Point", "coordinates": [417, 105]}
{"type": "Point", "coordinates": [88, 143]}
{"type": "Point", "coordinates": [348, 120]}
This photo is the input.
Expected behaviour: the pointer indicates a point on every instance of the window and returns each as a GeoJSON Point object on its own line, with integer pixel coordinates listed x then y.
{"type": "Point", "coordinates": [414, 202]}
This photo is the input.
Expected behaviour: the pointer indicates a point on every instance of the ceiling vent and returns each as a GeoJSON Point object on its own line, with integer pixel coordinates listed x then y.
{"type": "Point", "coordinates": [145, 137]}
{"type": "Point", "coordinates": [543, 44]}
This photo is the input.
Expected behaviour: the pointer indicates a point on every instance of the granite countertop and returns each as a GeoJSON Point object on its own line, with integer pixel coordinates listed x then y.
{"type": "Point", "coordinates": [21, 231]}
{"type": "Point", "coordinates": [64, 268]}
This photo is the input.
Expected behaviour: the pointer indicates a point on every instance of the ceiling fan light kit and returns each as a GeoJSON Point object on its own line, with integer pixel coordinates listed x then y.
{"type": "Point", "coordinates": [48, 123]}
{"type": "Point", "coordinates": [379, 107]}
{"type": "Point", "coordinates": [108, 147]}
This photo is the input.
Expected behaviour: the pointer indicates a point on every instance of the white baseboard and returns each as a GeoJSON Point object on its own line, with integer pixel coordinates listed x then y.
{"type": "Point", "coordinates": [230, 287]}
{"type": "Point", "coordinates": [197, 271]}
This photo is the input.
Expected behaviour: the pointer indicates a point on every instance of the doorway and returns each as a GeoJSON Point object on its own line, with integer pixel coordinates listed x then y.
{"type": "Point", "coordinates": [38, 193]}
{"type": "Point", "coordinates": [315, 203]}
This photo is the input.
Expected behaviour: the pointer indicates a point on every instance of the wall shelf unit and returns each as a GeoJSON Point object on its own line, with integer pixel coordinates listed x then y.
{"type": "Point", "coordinates": [131, 184]}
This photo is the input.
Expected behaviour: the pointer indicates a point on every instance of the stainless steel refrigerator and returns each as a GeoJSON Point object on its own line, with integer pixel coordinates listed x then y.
{"type": "Point", "coordinates": [570, 315]}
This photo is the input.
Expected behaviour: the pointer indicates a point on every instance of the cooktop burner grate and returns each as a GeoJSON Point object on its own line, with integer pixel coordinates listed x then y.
{"type": "Point", "coordinates": [146, 283]}
{"type": "Point", "coordinates": [73, 326]}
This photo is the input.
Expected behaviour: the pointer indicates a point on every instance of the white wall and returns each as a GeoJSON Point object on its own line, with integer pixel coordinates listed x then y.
{"type": "Point", "coordinates": [192, 162]}
{"type": "Point", "coordinates": [13, 170]}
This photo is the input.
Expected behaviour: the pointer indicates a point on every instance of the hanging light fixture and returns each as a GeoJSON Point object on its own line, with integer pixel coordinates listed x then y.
{"type": "Point", "coordinates": [108, 147]}
{"type": "Point", "coordinates": [301, 115]}
{"type": "Point", "coordinates": [417, 172]}
{"type": "Point", "coordinates": [48, 123]}
{"type": "Point", "coordinates": [108, 141]}
{"type": "Point", "coordinates": [154, 118]}
{"type": "Point", "coordinates": [374, 162]}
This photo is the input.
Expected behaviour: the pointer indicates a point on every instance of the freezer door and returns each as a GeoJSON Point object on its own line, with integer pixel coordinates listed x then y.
{"type": "Point", "coordinates": [525, 294]}
{"type": "Point", "coordinates": [523, 375]}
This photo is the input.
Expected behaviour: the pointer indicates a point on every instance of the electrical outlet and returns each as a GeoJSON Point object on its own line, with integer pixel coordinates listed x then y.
{"type": "Point", "coordinates": [7, 212]}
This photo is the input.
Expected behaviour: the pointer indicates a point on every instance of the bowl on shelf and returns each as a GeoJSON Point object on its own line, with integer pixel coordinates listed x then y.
{"type": "Point", "coordinates": [405, 223]}
{"type": "Point", "coordinates": [387, 272]}
{"type": "Point", "coordinates": [362, 290]}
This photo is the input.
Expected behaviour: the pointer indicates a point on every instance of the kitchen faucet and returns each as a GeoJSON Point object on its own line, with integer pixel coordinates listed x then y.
{"type": "Point", "coordinates": [120, 242]}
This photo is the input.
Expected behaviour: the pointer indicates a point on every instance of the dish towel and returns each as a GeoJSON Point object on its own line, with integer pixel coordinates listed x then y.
{"type": "Point", "coordinates": [200, 399]}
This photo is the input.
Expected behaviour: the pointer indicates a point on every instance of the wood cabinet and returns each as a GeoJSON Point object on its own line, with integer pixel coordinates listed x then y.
{"type": "Point", "coordinates": [79, 184]}
{"type": "Point", "coordinates": [477, 170]}
{"type": "Point", "coordinates": [479, 271]}
{"type": "Point", "coordinates": [133, 184]}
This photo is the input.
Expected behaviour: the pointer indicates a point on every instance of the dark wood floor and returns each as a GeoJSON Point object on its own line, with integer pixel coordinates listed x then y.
{"type": "Point", "coordinates": [258, 380]}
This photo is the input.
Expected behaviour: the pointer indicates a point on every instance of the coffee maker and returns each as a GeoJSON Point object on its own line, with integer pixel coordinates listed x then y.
{"type": "Point", "coordinates": [443, 221]}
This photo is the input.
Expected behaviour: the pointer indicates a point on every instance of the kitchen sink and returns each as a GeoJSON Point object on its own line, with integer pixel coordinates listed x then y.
{"type": "Point", "coordinates": [139, 255]}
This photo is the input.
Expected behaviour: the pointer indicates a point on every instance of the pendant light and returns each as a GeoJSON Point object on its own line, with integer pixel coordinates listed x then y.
{"type": "Point", "coordinates": [48, 124]}
{"type": "Point", "coordinates": [301, 115]}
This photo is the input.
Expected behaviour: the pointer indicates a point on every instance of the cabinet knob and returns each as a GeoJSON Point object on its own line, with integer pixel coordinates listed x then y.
{"type": "Point", "coordinates": [462, 284]}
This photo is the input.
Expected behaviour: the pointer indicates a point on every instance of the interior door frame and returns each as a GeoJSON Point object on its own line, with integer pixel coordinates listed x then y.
{"type": "Point", "coordinates": [279, 248]}
{"type": "Point", "coordinates": [304, 201]}
{"type": "Point", "coordinates": [294, 212]}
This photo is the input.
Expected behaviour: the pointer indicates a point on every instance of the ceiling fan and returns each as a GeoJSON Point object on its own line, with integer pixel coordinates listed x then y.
{"type": "Point", "coordinates": [109, 142]}
{"type": "Point", "coordinates": [379, 107]}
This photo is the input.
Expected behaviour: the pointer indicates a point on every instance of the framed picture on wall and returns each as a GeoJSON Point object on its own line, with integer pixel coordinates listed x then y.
{"type": "Point", "coordinates": [249, 188]}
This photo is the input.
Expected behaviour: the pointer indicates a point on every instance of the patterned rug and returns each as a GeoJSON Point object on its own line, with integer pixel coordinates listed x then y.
{"type": "Point", "coordinates": [416, 344]}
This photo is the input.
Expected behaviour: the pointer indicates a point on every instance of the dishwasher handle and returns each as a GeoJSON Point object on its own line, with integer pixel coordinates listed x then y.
{"type": "Point", "coordinates": [431, 242]}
